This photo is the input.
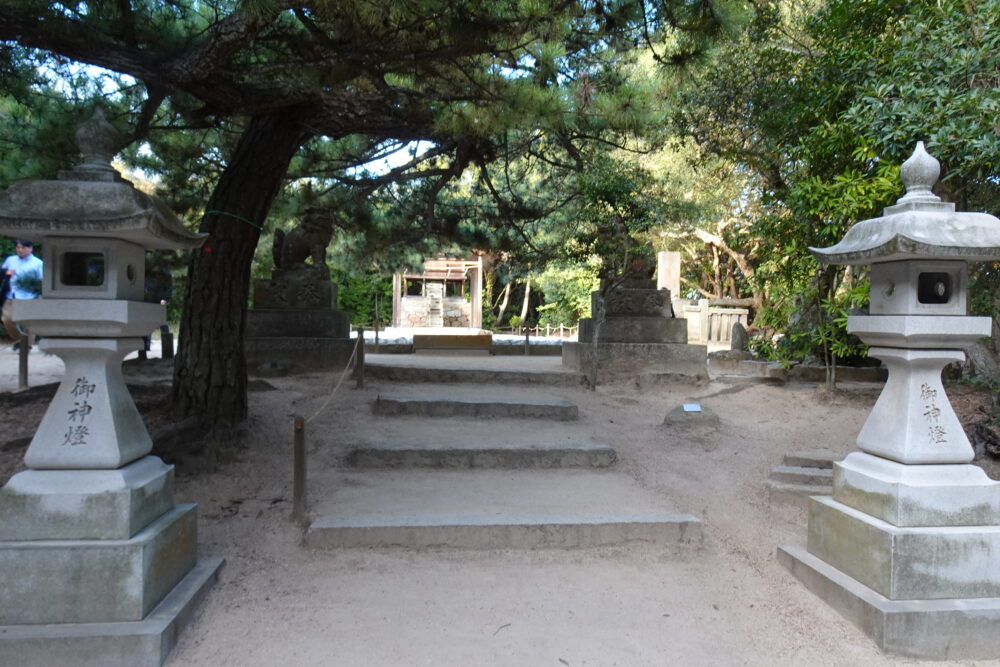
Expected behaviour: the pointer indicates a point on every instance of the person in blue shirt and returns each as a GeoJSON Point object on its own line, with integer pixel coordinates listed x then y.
{"type": "Point", "coordinates": [20, 265]}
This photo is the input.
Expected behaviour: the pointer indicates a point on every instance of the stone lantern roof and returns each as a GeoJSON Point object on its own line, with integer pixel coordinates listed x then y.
{"type": "Point", "coordinates": [918, 226]}
{"type": "Point", "coordinates": [92, 200]}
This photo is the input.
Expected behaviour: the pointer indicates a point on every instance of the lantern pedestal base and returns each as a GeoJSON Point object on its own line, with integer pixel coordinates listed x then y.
{"type": "Point", "coordinates": [917, 495]}
{"type": "Point", "coordinates": [908, 553]}
{"type": "Point", "coordinates": [958, 629]}
{"type": "Point", "coordinates": [144, 643]}
{"type": "Point", "coordinates": [86, 504]}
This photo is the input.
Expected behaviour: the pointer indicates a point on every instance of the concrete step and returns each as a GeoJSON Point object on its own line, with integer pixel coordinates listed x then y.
{"type": "Point", "coordinates": [440, 406]}
{"type": "Point", "coordinates": [493, 510]}
{"type": "Point", "coordinates": [413, 374]}
{"type": "Point", "coordinates": [587, 455]}
{"type": "Point", "coordinates": [800, 475]}
{"type": "Point", "coordinates": [816, 459]}
{"type": "Point", "coordinates": [794, 494]}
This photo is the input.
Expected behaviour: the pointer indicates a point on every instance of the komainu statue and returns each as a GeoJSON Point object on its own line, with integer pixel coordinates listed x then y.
{"type": "Point", "coordinates": [308, 240]}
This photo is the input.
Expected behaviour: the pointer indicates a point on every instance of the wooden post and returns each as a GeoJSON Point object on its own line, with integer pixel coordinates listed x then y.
{"type": "Point", "coordinates": [166, 344]}
{"type": "Point", "coordinates": [527, 333]}
{"type": "Point", "coordinates": [299, 471]}
{"type": "Point", "coordinates": [359, 360]}
{"type": "Point", "coordinates": [22, 362]}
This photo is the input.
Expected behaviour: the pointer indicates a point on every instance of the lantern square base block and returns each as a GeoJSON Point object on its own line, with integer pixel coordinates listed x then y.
{"type": "Point", "coordinates": [144, 643]}
{"type": "Point", "coordinates": [956, 629]}
{"type": "Point", "coordinates": [76, 581]}
{"type": "Point", "coordinates": [86, 504]}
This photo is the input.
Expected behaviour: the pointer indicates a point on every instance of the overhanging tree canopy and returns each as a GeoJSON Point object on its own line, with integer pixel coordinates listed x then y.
{"type": "Point", "coordinates": [462, 75]}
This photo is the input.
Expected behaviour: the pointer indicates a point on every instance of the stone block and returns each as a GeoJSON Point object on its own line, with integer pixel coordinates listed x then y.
{"type": "Point", "coordinates": [145, 643]}
{"type": "Point", "coordinates": [287, 291]}
{"type": "Point", "coordinates": [683, 416]}
{"type": "Point", "coordinates": [632, 359]}
{"type": "Point", "coordinates": [89, 318]}
{"type": "Point", "coordinates": [585, 334]}
{"type": "Point", "coordinates": [93, 581]}
{"type": "Point", "coordinates": [919, 331]}
{"type": "Point", "coordinates": [622, 302]}
{"type": "Point", "coordinates": [817, 373]}
{"type": "Point", "coordinates": [276, 323]}
{"type": "Point", "coordinates": [910, 495]}
{"type": "Point", "coordinates": [631, 283]}
{"type": "Point", "coordinates": [298, 355]}
{"type": "Point", "coordinates": [963, 629]}
{"type": "Point", "coordinates": [441, 406]}
{"type": "Point", "coordinates": [906, 563]}
{"type": "Point", "coordinates": [85, 504]}
{"type": "Point", "coordinates": [642, 330]}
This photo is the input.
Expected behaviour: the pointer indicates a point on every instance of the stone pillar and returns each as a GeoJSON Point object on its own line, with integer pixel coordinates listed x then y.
{"type": "Point", "coordinates": [668, 271]}
{"type": "Point", "coordinates": [397, 299]}
{"type": "Point", "coordinates": [476, 278]}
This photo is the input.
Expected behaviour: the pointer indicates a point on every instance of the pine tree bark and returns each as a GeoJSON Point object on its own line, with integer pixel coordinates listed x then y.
{"type": "Point", "coordinates": [210, 376]}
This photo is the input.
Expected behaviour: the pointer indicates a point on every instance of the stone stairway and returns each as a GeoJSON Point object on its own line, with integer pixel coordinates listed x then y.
{"type": "Point", "coordinates": [463, 478]}
{"type": "Point", "coordinates": [573, 455]}
{"type": "Point", "coordinates": [802, 474]}
{"type": "Point", "coordinates": [445, 406]}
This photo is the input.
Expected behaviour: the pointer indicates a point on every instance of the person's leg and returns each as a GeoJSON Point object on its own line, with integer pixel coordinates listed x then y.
{"type": "Point", "coordinates": [8, 323]}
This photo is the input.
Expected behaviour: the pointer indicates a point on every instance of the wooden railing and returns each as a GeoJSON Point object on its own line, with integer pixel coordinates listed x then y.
{"type": "Point", "coordinates": [548, 331]}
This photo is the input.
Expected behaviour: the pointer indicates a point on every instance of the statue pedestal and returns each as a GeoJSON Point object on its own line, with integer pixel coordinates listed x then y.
{"type": "Point", "coordinates": [634, 334]}
{"type": "Point", "coordinates": [294, 325]}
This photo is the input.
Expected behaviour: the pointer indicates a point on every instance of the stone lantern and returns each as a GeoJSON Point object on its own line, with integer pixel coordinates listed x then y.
{"type": "Point", "coordinates": [908, 545]}
{"type": "Point", "coordinates": [97, 562]}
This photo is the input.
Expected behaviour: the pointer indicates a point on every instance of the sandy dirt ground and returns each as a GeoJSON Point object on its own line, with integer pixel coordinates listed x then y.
{"type": "Point", "coordinates": [723, 602]}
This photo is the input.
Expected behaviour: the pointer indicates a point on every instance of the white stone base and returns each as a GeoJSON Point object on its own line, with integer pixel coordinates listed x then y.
{"type": "Point", "coordinates": [957, 629]}
{"type": "Point", "coordinates": [145, 643]}
{"type": "Point", "coordinates": [906, 563]}
{"type": "Point", "coordinates": [85, 504]}
{"type": "Point", "coordinates": [88, 581]}
{"type": "Point", "coordinates": [917, 495]}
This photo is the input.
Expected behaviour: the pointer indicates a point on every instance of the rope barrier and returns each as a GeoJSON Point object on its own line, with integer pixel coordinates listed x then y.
{"type": "Point", "coordinates": [354, 354]}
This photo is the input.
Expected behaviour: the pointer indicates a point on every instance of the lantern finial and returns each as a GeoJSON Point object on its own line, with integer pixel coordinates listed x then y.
{"type": "Point", "coordinates": [919, 173]}
{"type": "Point", "coordinates": [99, 142]}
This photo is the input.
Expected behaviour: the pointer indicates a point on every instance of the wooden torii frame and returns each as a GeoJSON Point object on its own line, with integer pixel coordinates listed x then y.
{"type": "Point", "coordinates": [444, 269]}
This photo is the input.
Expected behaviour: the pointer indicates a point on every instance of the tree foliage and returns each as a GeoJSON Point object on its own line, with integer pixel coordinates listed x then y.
{"type": "Point", "coordinates": [249, 95]}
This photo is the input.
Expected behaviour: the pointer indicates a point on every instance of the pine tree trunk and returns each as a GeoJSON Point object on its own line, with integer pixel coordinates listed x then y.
{"type": "Point", "coordinates": [210, 376]}
{"type": "Point", "coordinates": [527, 300]}
{"type": "Point", "coordinates": [503, 305]}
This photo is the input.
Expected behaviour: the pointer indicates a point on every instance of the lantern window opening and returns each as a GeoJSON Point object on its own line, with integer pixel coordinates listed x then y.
{"type": "Point", "coordinates": [82, 269]}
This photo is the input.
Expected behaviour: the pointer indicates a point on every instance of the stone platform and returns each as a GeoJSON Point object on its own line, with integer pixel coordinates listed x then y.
{"type": "Point", "coordinates": [144, 643]}
{"type": "Point", "coordinates": [634, 334]}
{"type": "Point", "coordinates": [947, 629]}
{"type": "Point", "coordinates": [490, 509]}
{"type": "Point", "coordinates": [294, 326]}
{"type": "Point", "coordinates": [449, 406]}
{"type": "Point", "coordinates": [513, 369]}
{"type": "Point", "coordinates": [482, 455]}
